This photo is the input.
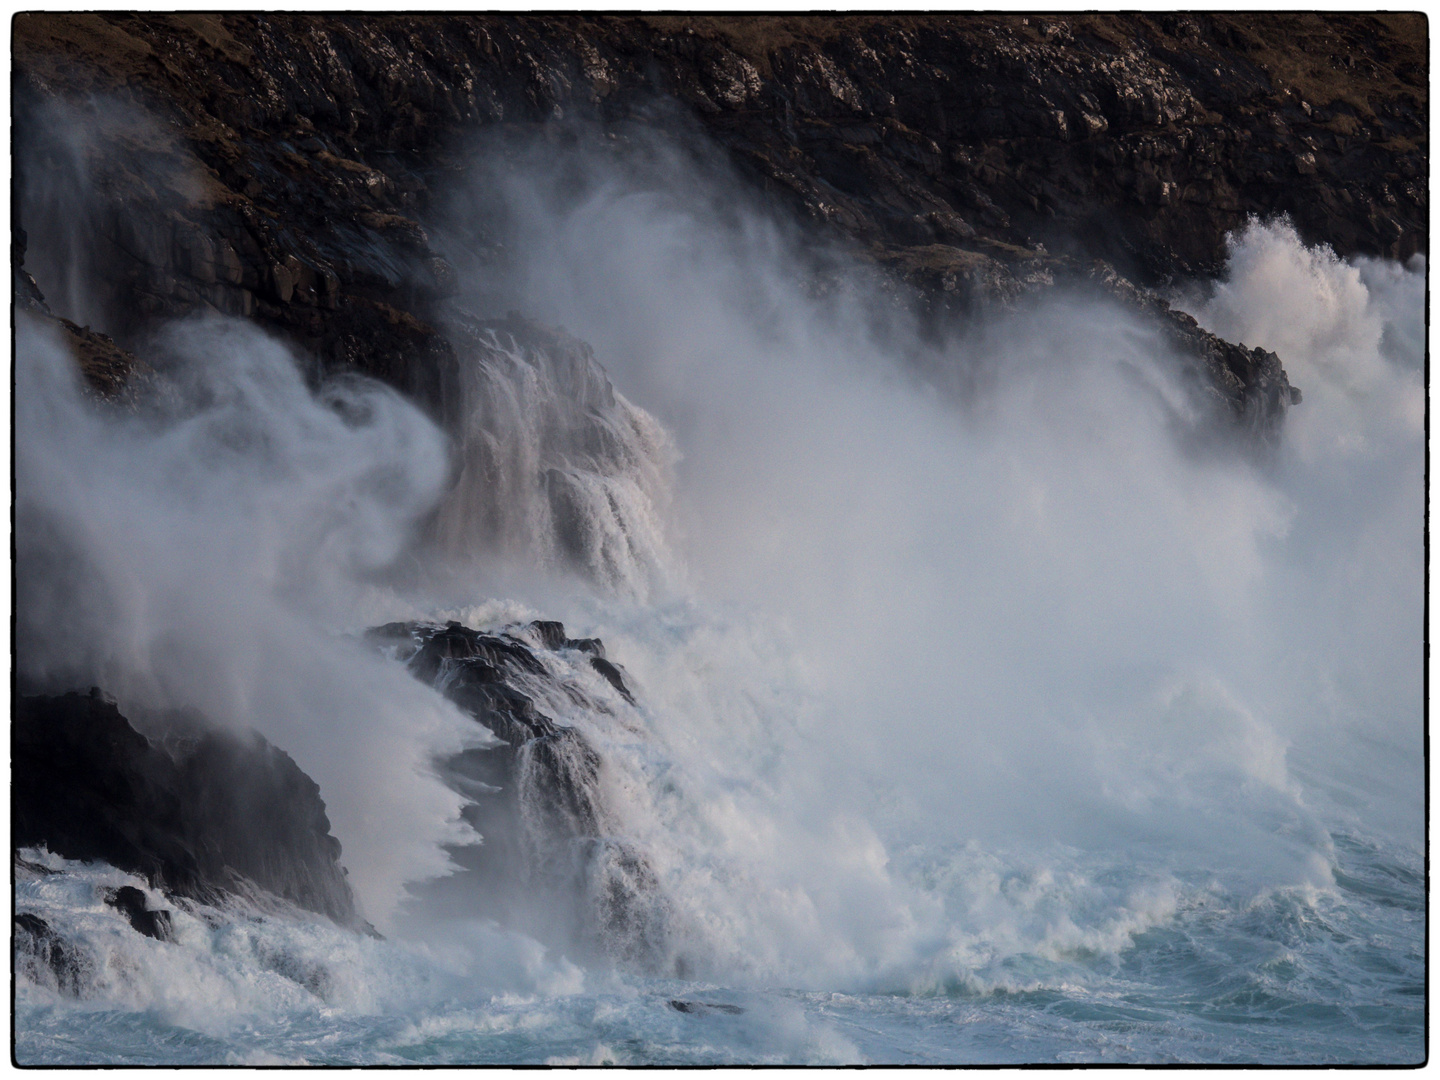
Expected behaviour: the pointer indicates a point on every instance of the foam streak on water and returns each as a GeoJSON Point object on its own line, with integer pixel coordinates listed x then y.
{"type": "Point", "coordinates": [1278, 978]}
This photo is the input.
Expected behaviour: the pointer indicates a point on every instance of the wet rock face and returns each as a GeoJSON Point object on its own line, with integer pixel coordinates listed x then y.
{"type": "Point", "coordinates": [47, 958]}
{"type": "Point", "coordinates": [551, 768]}
{"type": "Point", "coordinates": [130, 902]}
{"type": "Point", "coordinates": [214, 813]}
{"type": "Point", "coordinates": [1248, 385]}
{"type": "Point", "coordinates": [299, 159]}
{"type": "Point", "coordinates": [551, 860]}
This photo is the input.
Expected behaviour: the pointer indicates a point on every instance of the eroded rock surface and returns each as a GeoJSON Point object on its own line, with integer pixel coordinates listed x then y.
{"type": "Point", "coordinates": [130, 902]}
{"type": "Point", "coordinates": [47, 958]}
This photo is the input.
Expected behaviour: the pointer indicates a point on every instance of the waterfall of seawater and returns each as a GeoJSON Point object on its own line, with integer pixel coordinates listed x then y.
{"type": "Point", "coordinates": [554, 466]}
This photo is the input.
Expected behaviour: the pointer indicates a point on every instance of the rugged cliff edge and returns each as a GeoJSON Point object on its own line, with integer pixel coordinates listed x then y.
{"type": "Point", "coordinates": [301, 158]}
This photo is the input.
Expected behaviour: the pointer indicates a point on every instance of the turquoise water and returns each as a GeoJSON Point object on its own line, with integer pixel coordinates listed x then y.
{"type": "Point", "coordinates": [1292, 976]}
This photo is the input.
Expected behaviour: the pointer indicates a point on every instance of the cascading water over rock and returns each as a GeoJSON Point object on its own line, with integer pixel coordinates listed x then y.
{"type": "Point", "coordinates": [537, 800]}
{"type": "Point", "coordinates": [553, 463]}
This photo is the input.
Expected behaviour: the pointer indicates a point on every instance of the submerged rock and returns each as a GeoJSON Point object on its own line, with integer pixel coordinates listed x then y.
{"type": "Point", "coordinates": [700, 1008]}
{"type": "Point", "coordinates": [216, 813]}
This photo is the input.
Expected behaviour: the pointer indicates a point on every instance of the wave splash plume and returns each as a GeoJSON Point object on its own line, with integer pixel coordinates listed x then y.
{"type": "Point", "coordinates": [912, 690]}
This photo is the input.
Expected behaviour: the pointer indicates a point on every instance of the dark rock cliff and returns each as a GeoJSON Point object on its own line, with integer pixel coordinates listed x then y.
{"type": "Point", "coordinates": [216, 813]}
{"type": "Point", "coordinates": [299, 158]}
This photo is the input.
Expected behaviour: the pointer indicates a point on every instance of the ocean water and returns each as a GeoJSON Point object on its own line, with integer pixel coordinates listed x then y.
{"type": "Point", "coordinates": [1286, 977]}
{"type": "Point", "coordinates": [989, 706]}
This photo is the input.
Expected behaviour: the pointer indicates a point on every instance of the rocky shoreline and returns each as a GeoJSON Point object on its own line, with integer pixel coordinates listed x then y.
{"type": "Point", "coordinates": [207, 815]}
{"type": "Point", "coordinates": [201, 813]}
{"type": "Point", "coordinates": [293, 170]}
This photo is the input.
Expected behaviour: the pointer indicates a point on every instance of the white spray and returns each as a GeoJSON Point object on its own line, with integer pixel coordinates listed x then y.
{"type": "Point", "coordinates": [1058, 613]}
{"type": "Point", "coordinates": [207, 559]}
{"type": "Point", "coordinates": [937, 645]}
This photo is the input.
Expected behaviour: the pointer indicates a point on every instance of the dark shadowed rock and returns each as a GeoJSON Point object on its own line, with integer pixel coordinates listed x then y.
{"type": "Point", "coordinates": [89, 786]}
{"type": "Point", "coordinates": [256, 814]}
{"type": "Point", "coordinates": [130, 902]}
{"type": "Point", "coordinates": [220, 813]}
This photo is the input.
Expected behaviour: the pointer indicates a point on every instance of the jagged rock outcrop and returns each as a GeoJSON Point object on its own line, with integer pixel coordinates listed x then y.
{"type": "Point", "coordinates": [130, 902]}
{"type": "Point", "coordinates": [550, 842]}
{"type": "Point", "coordinates": [209, 814]}
{"type": "Point", "coordinates": [1250, 383]}
{"type": "Point", "coordinates": [300, 158]}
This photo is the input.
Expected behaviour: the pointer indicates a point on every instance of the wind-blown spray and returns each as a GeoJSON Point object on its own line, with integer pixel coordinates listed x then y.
{"type": "Point", "coordinates": [205, 553]}
{"type": "Point", "coordinates": [981, 677]}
